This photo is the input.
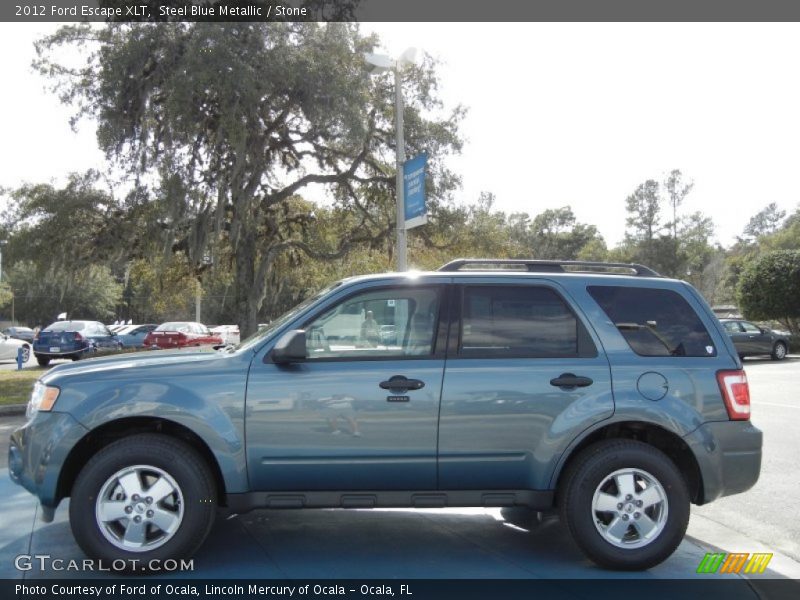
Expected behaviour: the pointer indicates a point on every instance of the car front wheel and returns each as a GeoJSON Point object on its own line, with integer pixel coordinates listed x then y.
{"type": "Point", "coordinates": [145, 497]}
{"type": "Point", "coordinates": [625, 504]}
{"type": "Point", "coordinates": [779, 351]}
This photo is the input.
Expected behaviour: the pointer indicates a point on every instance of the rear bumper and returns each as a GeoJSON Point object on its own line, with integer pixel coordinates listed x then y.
{"type": "Point", "coordinates": [61, 354]}
{"type": "Point", "coordinates": [729, 456]}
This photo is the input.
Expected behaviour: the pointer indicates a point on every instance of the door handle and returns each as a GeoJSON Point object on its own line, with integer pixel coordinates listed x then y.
{"type": "Point", "coordinates": [570, 381]}
{"type": "Point", "coordinates": [401, 383]}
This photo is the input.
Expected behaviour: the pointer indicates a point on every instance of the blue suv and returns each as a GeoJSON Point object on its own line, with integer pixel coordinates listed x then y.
{"type": "Point", "coordinates": [603, 390]}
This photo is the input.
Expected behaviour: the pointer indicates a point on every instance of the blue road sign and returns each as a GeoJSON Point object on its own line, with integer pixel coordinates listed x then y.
{"type": "Point", "coordinates": [414, 191]}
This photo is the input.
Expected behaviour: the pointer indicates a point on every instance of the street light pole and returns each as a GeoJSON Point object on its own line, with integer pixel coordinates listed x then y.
{"type": "Point", "coordinates": [380, 63]}
{"type": "Point", "coordinates": [402, 247]}
{"type": "Point", "coordinates": [2, 243]}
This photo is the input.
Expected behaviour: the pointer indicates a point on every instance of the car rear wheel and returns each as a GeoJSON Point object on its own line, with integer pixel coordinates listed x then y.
{"type": "Point", "coordinates": [625, 503]}
{"type": "Point", "coordinates": [26, 354]}
{"type": "Point", "coordinates": [145, 497]}
{"type": "Point", "coordinates": [42, 360]}
{"type": "Point", "coordinates": [779, 351]}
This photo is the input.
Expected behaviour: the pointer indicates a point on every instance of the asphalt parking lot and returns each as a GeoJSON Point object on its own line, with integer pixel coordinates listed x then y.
{"type": "Point", "coordinates": [353, 544]}
{"type": "Point", "coordinates": [457, 543]}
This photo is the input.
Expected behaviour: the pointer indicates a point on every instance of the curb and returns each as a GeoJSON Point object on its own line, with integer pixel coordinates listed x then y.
{"type": "Point", "coordinates": [10, 410]}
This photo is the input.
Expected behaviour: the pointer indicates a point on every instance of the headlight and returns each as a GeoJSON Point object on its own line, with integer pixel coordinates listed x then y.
{"type": "Point", "coordinates": [43, 398]}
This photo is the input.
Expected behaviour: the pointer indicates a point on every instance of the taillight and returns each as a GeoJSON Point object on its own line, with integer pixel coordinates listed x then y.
{"type": "Point", "coordinates": [735, 393]}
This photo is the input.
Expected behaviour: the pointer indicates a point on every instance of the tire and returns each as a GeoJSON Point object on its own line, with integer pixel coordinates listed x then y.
{"type": "Point", "coordinates": [143, 463]}
{"type": "Point", "coordinates": [779, 351]}
{"type": "Point", "coordinates": [618, 538]}
{"type": "Point", "coordinates": [26, 354]}
{"type": "Point", "coordinates": [42, 360]}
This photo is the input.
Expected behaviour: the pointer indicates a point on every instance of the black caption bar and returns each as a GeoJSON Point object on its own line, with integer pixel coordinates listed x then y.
{"type": "Point", "coordinates": [414, 589]}
{"type": "Point", "coordinates": [399, 10]}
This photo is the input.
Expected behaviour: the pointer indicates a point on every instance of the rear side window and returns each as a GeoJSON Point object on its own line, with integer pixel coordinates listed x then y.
{"type": "Point", "coordinates": [522, 321]}
{"type": "Point", "coordinates": [655, 322]}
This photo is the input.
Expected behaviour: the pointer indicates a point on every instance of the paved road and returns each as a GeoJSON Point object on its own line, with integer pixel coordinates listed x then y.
{"type": "Point", "coordinates": [770, 511]}
{"type": "Point", "coordinates": [11, 365]}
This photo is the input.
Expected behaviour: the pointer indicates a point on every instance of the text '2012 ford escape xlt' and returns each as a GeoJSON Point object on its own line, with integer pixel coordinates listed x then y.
{"type": "Point", "coordinates": [602, 389]}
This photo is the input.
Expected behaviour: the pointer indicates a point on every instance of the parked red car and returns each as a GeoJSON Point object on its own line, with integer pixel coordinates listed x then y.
{"type": "Point", "coordinates": [180, 335]}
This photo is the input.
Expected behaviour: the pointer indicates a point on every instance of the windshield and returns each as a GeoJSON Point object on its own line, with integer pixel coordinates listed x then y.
{"type": "Point", "coordinates": [180, 327]}
{"type": "Point", "coordinates": [256, 338]}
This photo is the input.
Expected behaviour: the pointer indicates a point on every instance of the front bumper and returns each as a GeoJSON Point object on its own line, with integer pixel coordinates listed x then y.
{"type": "Point", "coordinates": [729, 456]}
{"type": "Point", "coordinates": [38, 450]}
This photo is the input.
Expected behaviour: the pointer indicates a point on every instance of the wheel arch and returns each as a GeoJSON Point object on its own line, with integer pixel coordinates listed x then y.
{"type": "Point", "coordinates": [671, 444]}
{"type": "Point", "coordinates": [112, 431]}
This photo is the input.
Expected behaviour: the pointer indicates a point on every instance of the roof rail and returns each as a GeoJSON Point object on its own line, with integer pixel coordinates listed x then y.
{"type": "Point", "coordinates": [548, 266]}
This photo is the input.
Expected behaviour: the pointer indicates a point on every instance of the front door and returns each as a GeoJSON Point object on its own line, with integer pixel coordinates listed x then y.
{"type": "Point", "coordinates": [523, 379]}
{"type": "Point", "coordinates": [361, 412]}
{"type": "Point", "coordinates": [757, 342]}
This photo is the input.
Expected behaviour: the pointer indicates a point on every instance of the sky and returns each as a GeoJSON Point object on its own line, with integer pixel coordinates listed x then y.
{"type": "Point", "coordinates": [559, 114]}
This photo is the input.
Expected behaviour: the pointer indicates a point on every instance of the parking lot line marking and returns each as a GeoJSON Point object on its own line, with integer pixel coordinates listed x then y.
{"type": "Point", "coordinates": [777, 404]}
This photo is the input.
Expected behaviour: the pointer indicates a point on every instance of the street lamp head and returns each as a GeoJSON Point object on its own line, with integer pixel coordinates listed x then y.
{"type": "Point", "coordinates": [409, 57]}
{"type": "Point", "coordinates": [379, 63]}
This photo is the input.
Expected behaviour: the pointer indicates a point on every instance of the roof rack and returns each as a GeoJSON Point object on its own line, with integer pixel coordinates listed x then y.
{"type": "Point", "coordinates": [548, 266]}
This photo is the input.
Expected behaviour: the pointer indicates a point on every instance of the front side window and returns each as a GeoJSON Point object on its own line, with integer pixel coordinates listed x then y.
{"type": "Point", "coordinates": [732, 327]}
{"type": "Point", "coordinates": [522, 321]}
{"type": "Point", "coordinates": [654, 322]}
{"type": "Point", "coordinates": [750, 328]}
{"type": "Point", "coordinates": [376, 324]}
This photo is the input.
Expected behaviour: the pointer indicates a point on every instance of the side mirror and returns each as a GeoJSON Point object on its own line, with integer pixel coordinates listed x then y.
{"type": "Point", "coordinates": [290, 348]}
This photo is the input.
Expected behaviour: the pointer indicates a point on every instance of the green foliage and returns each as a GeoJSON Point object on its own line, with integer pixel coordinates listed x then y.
{"type": "Point", "coordinates": [5, 294]}
{"type": "Point", "coordinates": [769, 288]}
{"type": "Point", "coordinates": [41, 292]}
{"type": "Point", "coordinates": [235, 119]}
{"type": "Point", "coordinates": [644, 220]}
{"type": "Point", "coordinates": [765, 222]}
{"type": "Point", "coordinates": [787, 237]}
{"type": "Point", "coordinates": [763, 233]}
{"type": "Point", "coordinates": [676, 192]}
{"type": "Point", "coordinates": [679, 248]}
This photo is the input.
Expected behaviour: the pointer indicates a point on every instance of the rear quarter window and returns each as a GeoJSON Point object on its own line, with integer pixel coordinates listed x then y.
{"type": "Point", "coordinates": [654, 321]}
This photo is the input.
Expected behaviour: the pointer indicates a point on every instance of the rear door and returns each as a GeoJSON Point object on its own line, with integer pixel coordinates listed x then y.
{"type": "Point", "coordinates": [523, 377]}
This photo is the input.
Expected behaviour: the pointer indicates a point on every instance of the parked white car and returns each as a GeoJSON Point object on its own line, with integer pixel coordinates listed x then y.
{"type": "Point", "coordinates": [8, 348]}
{"type": "Point", "coordinates": [228, 333]}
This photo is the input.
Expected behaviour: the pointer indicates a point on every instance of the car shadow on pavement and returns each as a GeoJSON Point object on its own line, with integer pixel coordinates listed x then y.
{"type": "Point", "coordinates": [347, 544]}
